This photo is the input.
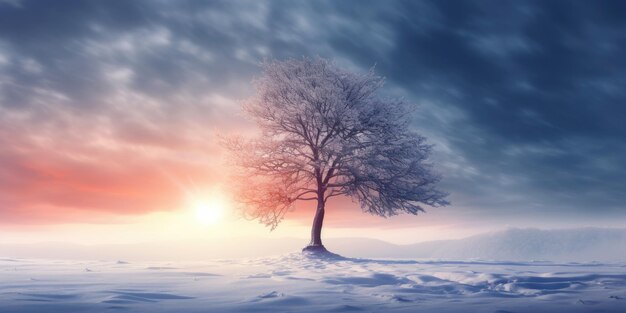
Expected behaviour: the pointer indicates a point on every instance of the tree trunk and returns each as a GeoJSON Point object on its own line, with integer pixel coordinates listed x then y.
{"type": "Point", "coordinates": [316, 229]}
{"type": "Point", "coordinates": [315, 246]}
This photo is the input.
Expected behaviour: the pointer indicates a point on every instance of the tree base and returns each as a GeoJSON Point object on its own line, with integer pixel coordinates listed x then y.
{"type": "Point", "coordinates": [319, 251]}
{"type": "Point", "coordinates": [315, 249]}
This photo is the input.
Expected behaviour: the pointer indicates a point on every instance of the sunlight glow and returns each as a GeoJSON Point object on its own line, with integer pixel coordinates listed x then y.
{"type": "Point", "coordinates": [209, 212]}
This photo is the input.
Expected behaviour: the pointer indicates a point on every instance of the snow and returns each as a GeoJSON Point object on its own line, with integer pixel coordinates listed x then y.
{"type": "Point", "coordinates": [296, 283]}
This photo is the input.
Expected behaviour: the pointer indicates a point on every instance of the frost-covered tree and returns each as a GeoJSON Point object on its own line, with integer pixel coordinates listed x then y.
{"type": "Point", "coordinates": [327, 133]}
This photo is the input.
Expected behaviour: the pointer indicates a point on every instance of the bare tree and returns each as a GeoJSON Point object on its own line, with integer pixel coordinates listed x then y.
{"type": "Point", "coordinates": [327, 133]}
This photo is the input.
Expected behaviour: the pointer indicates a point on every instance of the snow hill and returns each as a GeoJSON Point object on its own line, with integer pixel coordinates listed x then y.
{"type": "Point", "coordinates": [566, 245]}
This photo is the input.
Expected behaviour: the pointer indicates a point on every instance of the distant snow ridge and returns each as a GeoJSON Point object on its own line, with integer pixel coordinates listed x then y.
{"type": "Point", "coordinates": [514, 244]}
{"type": "Point", "coordinates": [583, 244]}
{"type": "Point", "coordinates": [530, 244]}
{"type": "Point", "coordinates": [572, 245]}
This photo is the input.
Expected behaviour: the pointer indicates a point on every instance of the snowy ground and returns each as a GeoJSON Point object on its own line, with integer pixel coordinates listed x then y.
{"type": "Point", "coordinates": [293, 283]}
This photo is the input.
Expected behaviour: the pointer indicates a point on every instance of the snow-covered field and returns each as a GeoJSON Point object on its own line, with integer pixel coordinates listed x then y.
{"type": "Point", "coordinates": [296, 283]}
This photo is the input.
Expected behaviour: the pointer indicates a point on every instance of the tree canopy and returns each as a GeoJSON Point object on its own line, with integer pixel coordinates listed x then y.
{"type": "Point", "coordinates": [326, 132]}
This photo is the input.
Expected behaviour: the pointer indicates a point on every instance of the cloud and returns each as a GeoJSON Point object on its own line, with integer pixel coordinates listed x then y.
{"type": "Point", "coordinates": [99, 99]}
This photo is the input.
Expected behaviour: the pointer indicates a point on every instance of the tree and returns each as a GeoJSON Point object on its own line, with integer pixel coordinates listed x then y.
{"type": "Point", "coordinates": [327, 133]}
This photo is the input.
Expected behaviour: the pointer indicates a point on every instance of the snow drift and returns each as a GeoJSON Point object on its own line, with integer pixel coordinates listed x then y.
{"type": "Point", "coordinates": [295, 283]}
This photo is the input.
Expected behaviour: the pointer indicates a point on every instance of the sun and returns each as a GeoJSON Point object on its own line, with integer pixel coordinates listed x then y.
{"type": "Point", "coordinates": [209, 212]}
{"type": "Point", "coordinates": [207, 206]}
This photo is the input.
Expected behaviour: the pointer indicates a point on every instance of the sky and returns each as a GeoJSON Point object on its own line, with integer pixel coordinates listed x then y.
{"type": "Point", "coordinates": [111, 111]}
